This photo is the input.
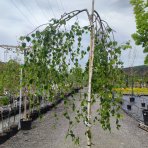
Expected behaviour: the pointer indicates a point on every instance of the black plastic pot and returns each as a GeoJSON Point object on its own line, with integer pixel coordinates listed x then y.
{"type": "Point", "coordinates": [49, 107]}
{"type": "Point", "coordinates": [76, 90]}
{"type": "Point", "coordinates": [66, 95]}
{"type": "Point", "coordinates": [72, 92]}
{"type": "Point", "coordinates": [5, 114]}
{"type": "Point", "coordinates": [132, 99]}
{"type": "Point", "coordinates": [59, 101]}
{"type": "Point", "coordinates": [14, 129]}
{"type": "Point", "coordinates": [26, 124]}
{"type": "Point", "coordinates": [43, 110]}
{"type": "Point", "coordinates": [129, 107]}
{"type": "Point", "coordinates": [46, 108]}
{"type": "Point", "coordinates": [3, 137]}
{"type": "Point", "coordinates": [142, 104]}
{"type": "Point", "coordinates": [34, 115]}
{"type": "Point", "coordinates": [8, 132]}
{"type": "Point", "coordinates": [145, 116]}
{"type": "Point", "coordinates": [121, 102]}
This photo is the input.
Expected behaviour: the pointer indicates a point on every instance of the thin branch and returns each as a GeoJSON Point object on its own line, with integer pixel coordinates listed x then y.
{"type": "Point", "coordinates": [65, 17]}
{"type": "Point", "coordinates": [37, 28]}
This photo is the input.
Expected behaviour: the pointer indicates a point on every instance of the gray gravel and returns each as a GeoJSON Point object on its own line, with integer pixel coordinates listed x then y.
{"type": "Point", "coordinates": [50, 133]}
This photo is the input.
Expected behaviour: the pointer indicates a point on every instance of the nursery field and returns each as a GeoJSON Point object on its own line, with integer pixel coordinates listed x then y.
{"type": "Point", "coordinates": [49, 132]}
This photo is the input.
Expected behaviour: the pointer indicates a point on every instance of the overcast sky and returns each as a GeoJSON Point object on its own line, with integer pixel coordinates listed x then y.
{"type": "Point", "coordinates": [19, 17]}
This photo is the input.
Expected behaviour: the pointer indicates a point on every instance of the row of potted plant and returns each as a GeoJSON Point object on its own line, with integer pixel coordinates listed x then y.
{"type": "Point", "coordinates": [26, 124]}
{"type": "Point", "coordinates": [33, 115]}
{"type": "Point", "coordinates": [9, 132]}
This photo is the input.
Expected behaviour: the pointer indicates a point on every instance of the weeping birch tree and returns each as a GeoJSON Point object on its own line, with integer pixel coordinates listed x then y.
{"type": "Point", "coordinates": [59, 51]}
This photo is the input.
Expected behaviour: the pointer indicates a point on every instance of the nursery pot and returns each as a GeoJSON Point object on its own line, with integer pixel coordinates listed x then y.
{"type": "Point", "coordinates": [121, 102]}
{"type": "Point", "coordinates": [143, 104]}
{"type": "Point", "coordinates": [34, 115]}
{"type": "Point", "coordinates": [26, 124]}
{"type": "Point", "coordinates": [145, 116]}
{"type": "Point", "coordinates": [42, 110]}
{"type": "Point", "coordinates": [14, 129]}
{"type": "Point", "coordinates": [5, 114]}
{"type": "Point", "coordinates": [8, 133]}
{"type": "Point", "coordinates": [49, 107]}
{"type": "Point", "coordinates": [132, 99]}
{"type": "Point", "coordinates": [66, 95]}
{"type": "Point", "coordinates": [129, 107]}
{"type": "Point", "coordinates": [59, 101]}
{"type": "Point", "coordinates": [3, 137]}
{"type": "Point", "coordinates": [76, 90]}
{"type": "Point", "coordinates": [46, 108]}
{"type": "Point", "coordinates": [73, 91]}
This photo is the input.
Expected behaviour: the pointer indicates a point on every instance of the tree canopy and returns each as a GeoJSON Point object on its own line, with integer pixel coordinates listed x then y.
{"type": "Point", "coordinates": [141, 15]}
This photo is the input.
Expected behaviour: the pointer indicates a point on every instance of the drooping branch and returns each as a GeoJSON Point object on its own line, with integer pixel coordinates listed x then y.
{"type": "Point", "coordinates": [64, 17]}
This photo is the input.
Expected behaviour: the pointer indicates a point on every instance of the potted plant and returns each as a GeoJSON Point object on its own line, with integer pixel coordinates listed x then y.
{"type": "Point", "coordinates": [33, 106]}
{"type": "Point", "coordinates": [26, 121]}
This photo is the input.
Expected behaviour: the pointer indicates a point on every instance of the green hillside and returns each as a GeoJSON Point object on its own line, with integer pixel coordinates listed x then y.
{"type": "Point", "coordinates": [137, 70]}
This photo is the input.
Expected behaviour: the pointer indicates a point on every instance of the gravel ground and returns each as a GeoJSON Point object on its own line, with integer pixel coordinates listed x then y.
{"type": "Point", "coordinates": [49, 132]}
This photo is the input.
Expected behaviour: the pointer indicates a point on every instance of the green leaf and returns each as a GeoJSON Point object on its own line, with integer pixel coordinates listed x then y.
{"type": "Point", "coordinates": [28, 38]}
{"type": "Point", "coordinates": [23, 45]}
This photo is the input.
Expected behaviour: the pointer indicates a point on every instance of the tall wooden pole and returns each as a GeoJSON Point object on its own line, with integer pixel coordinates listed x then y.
{"type": "Point", "coordinates": [91, 58]}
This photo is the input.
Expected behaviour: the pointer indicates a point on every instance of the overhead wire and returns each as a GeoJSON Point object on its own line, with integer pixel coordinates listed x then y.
{"type": "Point", "coordinates": [29, 11]}
{"type": "Point", "coordinates": [64, 11]}
{"type": "Point", "coordinates": [51, 9]}
{"type": "Point", "coordinates": [62, 5]}
{"type": "Point", "coordinates": [29, 22]}
{"type": "Point", "coordinates": [58, 5]}
{"type": "Point", "coordinates": [44, 14]}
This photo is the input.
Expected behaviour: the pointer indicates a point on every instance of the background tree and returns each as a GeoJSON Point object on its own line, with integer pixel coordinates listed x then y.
{"type": "Point", "coordinates": [141, 15]}
{"type": "Point", "coordinates": [9, 77]}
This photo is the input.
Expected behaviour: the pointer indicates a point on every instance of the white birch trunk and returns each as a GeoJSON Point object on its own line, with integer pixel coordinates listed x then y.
{"type": "Point", "coordinates": [91, 58]}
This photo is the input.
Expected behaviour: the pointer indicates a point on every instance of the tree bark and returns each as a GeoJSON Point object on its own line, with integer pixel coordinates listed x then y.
{"type": "Point", "coordinates": [91, 58]}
